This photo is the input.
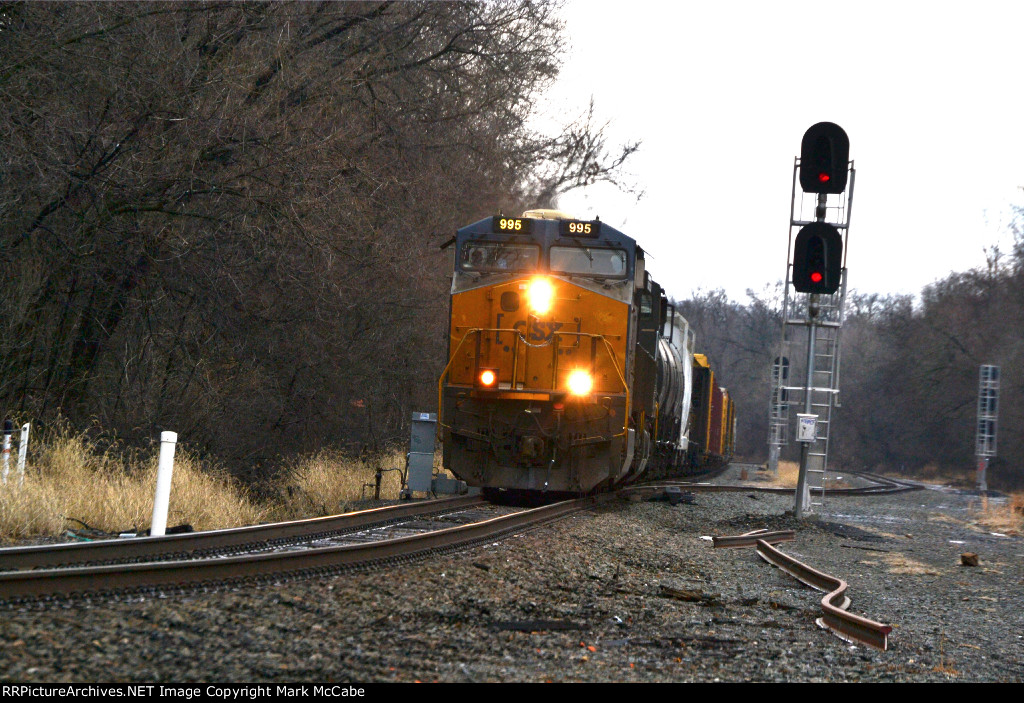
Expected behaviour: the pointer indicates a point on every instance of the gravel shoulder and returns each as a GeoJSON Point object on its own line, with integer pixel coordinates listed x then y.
{"type": "Point", "coordinates": [593, 597]}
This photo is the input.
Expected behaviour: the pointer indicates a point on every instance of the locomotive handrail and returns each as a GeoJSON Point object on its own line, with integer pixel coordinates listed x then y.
{"type": "Point", "coordinates": [440, 382]}
{"type": "Point", "coordinates": [519, 335]}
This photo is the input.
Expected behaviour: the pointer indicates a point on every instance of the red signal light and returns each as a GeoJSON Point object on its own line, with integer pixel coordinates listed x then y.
{"type": "Point", "coordinates": [817, 258]}
{"type": "Point", "coordinates": [824, 159]}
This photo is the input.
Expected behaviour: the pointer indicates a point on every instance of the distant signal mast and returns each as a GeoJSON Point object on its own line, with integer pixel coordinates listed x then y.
{"type": "Point", "coordinates": [988, 416]}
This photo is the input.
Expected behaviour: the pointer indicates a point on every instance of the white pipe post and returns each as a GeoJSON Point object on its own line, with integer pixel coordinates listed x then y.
{"type": "Point", "coordinates": [8, 430]}
{"type": "Point", "coordinates": [163, 483]}
{"type": "Point", "coordinates": [23, 452]}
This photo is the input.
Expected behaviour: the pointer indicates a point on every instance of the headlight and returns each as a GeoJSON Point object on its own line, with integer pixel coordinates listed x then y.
{"type": "Point", "coordinates": [488, 377]}
{"type": "Point", "coordinates": [540, 294]}
{"type": "Point", "coordinates": [580, 382]}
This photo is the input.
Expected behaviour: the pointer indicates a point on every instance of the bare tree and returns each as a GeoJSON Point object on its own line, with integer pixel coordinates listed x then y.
{"type": "Point", "coordinates": [225, 217]}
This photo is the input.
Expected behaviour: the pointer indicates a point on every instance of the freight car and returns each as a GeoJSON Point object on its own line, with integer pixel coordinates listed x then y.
{"type": "Point", "coordinates": [568, 369]}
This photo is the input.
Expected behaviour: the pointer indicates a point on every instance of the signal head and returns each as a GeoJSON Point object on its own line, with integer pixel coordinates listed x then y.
{"type": "Point", "coordinates": [817, 259]}
{"type": "Point", "coordinates": [824, 159]}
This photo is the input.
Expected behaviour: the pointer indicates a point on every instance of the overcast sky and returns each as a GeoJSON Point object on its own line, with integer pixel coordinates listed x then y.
{"type": "Point", "coordinates": [930, 94]}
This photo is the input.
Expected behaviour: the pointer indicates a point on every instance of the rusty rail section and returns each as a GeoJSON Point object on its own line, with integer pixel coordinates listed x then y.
{"type": "Point", "coordinates": [199, 543]}
{"type": "Point", "coordinates": [834, 606]}
{"type": "Point", "coordinates": [835, 603]}
{"type": "Point", "coordinates": [21, 585]}
{"type": "Point", "coordinates": [750, 539]}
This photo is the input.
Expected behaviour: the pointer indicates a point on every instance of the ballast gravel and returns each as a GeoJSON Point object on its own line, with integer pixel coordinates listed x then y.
{"type": "Point", "coordinates": [625, 592]}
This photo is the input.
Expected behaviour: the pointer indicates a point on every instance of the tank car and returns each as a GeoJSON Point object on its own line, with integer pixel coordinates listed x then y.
{"type": "Point", "coordinates": [568, 369]}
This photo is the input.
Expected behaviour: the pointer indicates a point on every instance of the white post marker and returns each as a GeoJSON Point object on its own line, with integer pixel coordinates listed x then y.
{"type": "Point", "coordinates": [163, 483]}
{"type": "Point", "coordinates": [23, 451]}
{"type": "Point", "coordinates": [8, 430]}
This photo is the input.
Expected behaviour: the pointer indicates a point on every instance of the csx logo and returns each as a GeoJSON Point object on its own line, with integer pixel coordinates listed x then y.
{"type": "Point", "coordinates": [538, 331]}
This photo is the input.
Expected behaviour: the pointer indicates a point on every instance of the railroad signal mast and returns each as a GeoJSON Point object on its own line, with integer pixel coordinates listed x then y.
{"type": "Point", "coordinates": [988, 417]}
{"type": "Point", "coordinates": [819, 221]}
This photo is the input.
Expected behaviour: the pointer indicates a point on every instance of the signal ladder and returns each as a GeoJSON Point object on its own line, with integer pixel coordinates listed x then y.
{"type": "Point", "coordinates": [827, 313]}
{"type": "Point", "coordinates": [824, 386]}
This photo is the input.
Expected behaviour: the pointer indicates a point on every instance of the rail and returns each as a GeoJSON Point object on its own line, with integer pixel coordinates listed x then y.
{"type": "Point", "coordinates": [196, 543]}
{"type": "Point", "coordinates": [881, 486]}
{"type": "Point", "coordinates": [18, 586]}
{"type": "Point", "coordinates": [834, 614]}
{"type": "Point", "coordinates": [141, 568]}
{"type": "Point", "coordinates": [751, 539]}
{"type": "Point", "coordinates": [834, 605]}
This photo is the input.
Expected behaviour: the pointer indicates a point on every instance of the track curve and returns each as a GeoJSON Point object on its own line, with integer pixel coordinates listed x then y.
{"type": "Point", "coordinates": [20, 586]}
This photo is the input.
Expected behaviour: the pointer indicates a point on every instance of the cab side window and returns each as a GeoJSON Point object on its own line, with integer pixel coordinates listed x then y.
{"type": "Point", "coordinates": [646, 304]}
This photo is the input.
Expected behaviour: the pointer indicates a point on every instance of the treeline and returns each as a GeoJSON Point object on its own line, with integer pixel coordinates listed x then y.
{"type": "Point", "coordinates": [225, 219]}
{"type": "Point", "coordinates": [909, 374]}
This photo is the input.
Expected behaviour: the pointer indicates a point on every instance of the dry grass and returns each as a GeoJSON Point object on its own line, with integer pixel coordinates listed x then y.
{"type": "Point", "coordinates": [789, 472]}
{"type": "Point", "coordinates": [1007, 518]}
{"type": "Point", "coordinates": [70, 483]}
{"type": "Point", "coordinates": [931, 473]}
{"type": "Point", "coordinates": [902, 564]}
{"type": "Point", "coordinates": [329, 482]}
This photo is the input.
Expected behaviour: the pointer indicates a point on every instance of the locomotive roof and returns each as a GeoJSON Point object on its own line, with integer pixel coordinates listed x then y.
{"type": "Point", "coordinates": [547, 231]}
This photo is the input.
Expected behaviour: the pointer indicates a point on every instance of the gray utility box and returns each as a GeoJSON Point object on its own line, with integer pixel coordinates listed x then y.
{"type": "Point", "coordinates": [421, 452]}
{"type": "Point", "coordinates": [421, 460]}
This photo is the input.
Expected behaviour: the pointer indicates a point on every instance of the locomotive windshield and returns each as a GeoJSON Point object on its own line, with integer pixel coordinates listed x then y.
{"type": "Point", "coordinates": [494, 256]}
{"type": "Point", "coordinates": [588, 261]}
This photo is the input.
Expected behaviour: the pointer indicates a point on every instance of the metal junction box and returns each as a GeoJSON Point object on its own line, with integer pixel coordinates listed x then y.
{"type": "Point", "coordinates": [421, 451]}
{"type": "Point", "coordinates": [806, 427]}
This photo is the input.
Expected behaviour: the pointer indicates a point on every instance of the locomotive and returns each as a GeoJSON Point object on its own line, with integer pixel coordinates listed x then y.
{"type": "Point", "coordinates": [569, 371]}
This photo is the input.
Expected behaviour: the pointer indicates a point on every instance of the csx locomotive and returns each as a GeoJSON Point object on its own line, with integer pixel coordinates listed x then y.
{"type": "Point", "coordinates": [568, 369]}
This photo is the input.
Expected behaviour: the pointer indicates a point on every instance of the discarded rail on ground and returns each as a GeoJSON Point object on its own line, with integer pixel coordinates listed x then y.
{"type": "Point", "coordinates": [834, 605]}
{"type": "Point", "coordinates": [751, 539]}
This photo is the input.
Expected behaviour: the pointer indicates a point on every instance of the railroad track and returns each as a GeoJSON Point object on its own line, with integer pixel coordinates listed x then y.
{"type": "Point", "coordinates": [221, 542]}
{"type": "Point", "coordinates": [880, 485]}
{"type": "Point", "coordinates": [904, 484]}
{"type": "Point", "coordinates": [74, 581]}
{"type": "Point", "coordinates": [294, 548]}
